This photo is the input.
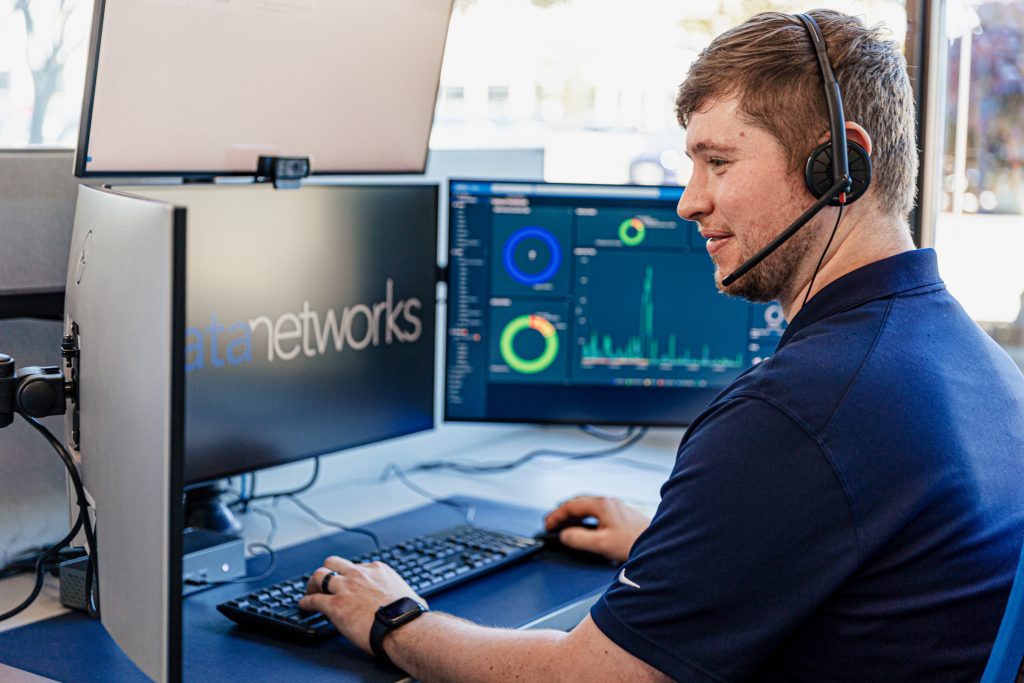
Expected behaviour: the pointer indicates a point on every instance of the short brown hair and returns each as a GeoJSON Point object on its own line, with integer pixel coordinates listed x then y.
{"type": "Point", "coordinates": [769, 64]}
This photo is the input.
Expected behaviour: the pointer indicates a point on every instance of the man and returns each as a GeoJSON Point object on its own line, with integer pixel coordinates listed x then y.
{"type": "Point", "coordinates": [850, 509]}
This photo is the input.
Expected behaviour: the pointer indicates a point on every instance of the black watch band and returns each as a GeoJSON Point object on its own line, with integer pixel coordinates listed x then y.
{"type": "Point", "coordinates": [377, 633]}
{"type": "Point", "coordinates": [388, 618]}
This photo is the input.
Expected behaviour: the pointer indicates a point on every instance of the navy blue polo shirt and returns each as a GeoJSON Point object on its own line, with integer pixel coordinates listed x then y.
{"type": "Point", "coordinates": [851, 509]}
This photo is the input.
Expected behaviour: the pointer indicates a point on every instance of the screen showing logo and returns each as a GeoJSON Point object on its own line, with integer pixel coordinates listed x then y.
{"type": "Point", "coordinates": [306, 332]}
{"type": "Point", "coordinates": [310, 323]}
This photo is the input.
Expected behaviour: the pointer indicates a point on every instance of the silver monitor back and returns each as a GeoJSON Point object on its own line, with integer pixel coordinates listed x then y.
{"type": "Point", "coordinates": [125, 303]}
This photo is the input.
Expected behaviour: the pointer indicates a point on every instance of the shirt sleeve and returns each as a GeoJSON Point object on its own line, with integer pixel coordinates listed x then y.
{"type": "Point", "coordinates": [754, 531]}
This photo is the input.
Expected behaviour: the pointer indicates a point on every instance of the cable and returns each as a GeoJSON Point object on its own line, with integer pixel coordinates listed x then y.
{"type": "Point", "coordinates": [245, 579]}
{"type": "Point", "coordinates": [618, 459]}
{"type": "Point", "coordinates": [302, 489]}
{"type": "Point", "coordinates": [468, 509]}
{"type": "Point", "coordinates": [337, 525]}
{"type": "Point", "coordinates": [39, 570]}
{"type": "Point", "coordinates": [273, 523]}
{"type": "Point", "coordinates": [626, 441]}
{"type": "Point", "coordinates": [82, 521]}
{"type": "Point", "coordinates": [247, 497]}
{"type": "Point", "coordinates": [822, 259]}
{"type": "Point", "coordinates": [92, 567]}
{"type": "Point", "coordinates": [605, 435]}
{"type": "Point", "coordinates": [26, 562]}
{"type": "Point", "coordinates": [494, 468]}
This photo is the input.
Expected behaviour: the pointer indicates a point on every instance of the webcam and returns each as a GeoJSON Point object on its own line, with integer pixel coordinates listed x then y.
{"type": "Point", "coordinates": [285, 172]}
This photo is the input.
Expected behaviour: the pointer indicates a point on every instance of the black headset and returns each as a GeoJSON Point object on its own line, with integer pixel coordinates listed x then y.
{"type": "Point", "coordinates": [837, 173]}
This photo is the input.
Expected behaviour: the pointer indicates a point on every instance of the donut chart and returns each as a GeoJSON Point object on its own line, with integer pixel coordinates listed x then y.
{"type": "Point", "coordinates": [524, 324]}
{"type": "Point", "coordinates": [549, 254]}
{"type": "Point", "coordinates": [632, 231]}
{"type": "Point", "coordinates": [773, 317]}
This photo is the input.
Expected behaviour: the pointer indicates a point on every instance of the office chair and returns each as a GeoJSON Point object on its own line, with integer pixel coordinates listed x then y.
{"type": "Point", "coordinates": [1004, 664]}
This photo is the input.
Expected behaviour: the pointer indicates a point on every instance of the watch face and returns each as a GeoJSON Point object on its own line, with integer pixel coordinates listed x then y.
{"type": "Point", "coordinates": [400, 610]}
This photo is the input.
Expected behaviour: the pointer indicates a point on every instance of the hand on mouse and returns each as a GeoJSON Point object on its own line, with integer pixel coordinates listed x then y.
{"type": "Point", "coordinates": [618, 526]}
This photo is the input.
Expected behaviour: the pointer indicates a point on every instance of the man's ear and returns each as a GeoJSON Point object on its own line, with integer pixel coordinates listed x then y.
{"type": "Point", "coordinates": [856, 133]}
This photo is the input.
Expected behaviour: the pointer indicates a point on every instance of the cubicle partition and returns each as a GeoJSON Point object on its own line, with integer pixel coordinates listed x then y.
{"type": "Point", "coordinates": [37, 206]}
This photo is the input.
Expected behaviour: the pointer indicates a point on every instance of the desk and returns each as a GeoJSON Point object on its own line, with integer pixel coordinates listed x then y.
{"type": "Point", "coordinates": [216, 650]}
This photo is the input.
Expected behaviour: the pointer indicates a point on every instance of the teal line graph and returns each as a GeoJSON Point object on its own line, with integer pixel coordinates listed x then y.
{"type": "Point", "coordinates": [644, 349]}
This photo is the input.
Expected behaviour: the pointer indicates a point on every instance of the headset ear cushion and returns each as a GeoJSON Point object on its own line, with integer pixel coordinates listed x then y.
{"type": "Point", "coordinates": [818, 172]}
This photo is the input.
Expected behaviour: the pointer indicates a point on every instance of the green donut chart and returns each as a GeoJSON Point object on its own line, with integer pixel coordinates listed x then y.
{"type": "Point", "coordinates": [632, 231]}
{"type": "Point", "coordinates": [522, 324]}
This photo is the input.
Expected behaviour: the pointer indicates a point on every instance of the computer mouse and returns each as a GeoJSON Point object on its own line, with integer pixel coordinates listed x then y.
{"type": "Point", "coordinates": [551, 539]}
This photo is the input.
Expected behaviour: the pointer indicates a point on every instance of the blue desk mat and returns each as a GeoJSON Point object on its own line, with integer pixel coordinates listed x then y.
{"type": "Point", "coordinates": [72, 647]}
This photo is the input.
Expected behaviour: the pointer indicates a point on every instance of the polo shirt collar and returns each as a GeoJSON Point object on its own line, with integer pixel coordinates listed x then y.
{"type": "Point", "coordinates": [878, 280]}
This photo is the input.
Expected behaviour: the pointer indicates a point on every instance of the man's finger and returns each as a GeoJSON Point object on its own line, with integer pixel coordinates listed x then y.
{"type": "Point", "coordinates": [338, 564]}
{"type": "Point", "coordinates": [316, 602]}
{"type": "Point", "coordinates": [581, 538]}
{"type": "Point", "coordinates": [580, 506]}
{"type": "Point", "coordinates": [316, 580]}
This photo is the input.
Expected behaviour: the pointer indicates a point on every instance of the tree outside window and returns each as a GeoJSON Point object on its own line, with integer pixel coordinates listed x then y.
{"type": "Point", "coordinates": [43, 47]}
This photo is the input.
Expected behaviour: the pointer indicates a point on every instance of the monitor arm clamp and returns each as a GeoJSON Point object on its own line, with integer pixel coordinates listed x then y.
{"type": "Point", "coordinates": [35, 391]}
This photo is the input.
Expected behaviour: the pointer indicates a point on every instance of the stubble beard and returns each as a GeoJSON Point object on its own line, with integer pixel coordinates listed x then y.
{"type": "Point", "coordinates": [773, 277]}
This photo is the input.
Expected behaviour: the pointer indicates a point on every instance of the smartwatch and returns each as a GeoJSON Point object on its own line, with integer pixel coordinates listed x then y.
{"type": "Point", "coordinates": [388, 618]}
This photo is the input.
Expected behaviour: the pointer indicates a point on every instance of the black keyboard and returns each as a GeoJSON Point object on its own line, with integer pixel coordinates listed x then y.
{"type": "Point", "coordinates": [428, 564]}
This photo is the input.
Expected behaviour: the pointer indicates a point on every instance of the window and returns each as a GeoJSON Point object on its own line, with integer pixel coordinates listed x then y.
{"type": "Point", "coordinates": [497, 94]}
{"type": "Point", "coordinates": [43, 46]}
{"type": "Point", "coordinates": [592, 82]}
{"type": "Point", "coordinates": [979, 232]}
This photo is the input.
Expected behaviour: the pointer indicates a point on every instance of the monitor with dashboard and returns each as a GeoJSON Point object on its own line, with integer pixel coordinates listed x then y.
{"type": "Point", "coordinates": [588, 304]}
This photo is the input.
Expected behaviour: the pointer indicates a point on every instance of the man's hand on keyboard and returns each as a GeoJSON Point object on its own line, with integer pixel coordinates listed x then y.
{"type": "Point", "coordinates": [354, 595]}
{"type": "Point", "coordinates": [618, 525]}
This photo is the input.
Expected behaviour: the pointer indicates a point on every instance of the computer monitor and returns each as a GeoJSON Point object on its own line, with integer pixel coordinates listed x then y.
{"type": "Point", "coordinates": [588, 304]}
{"type": "Point", "coordinates": [203, 89]}
{"type": "Point", "coordinates": [125, 313]}
{"type": "Point", "coordinates": [310, 320]}
{"type": "Point", "coordinates": [226, 329]}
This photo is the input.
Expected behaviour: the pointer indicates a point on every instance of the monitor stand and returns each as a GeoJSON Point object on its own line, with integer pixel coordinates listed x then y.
{"type": "Point", "coordinates": [206, 509]}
